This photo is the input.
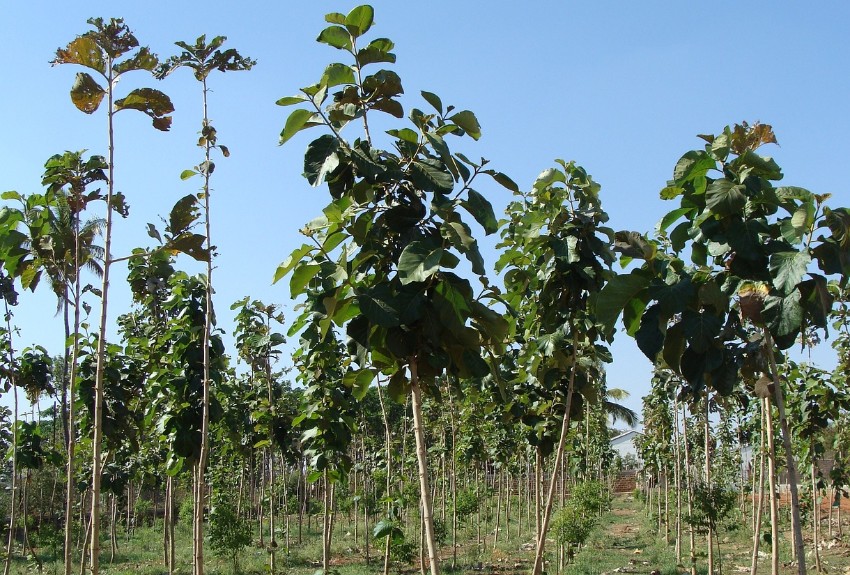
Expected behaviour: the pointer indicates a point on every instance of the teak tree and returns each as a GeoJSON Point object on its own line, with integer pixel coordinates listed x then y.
{"type": "Point", "coordinates": [752, 245]}
{"type": "Point", "coordinates": [557, 256]}
{"type": "Point", "coordinates": [110, 50]}
{"type": "Point", "coordinates": [380, 260]}
{"type": "Point", "coordinates": [204, 58]}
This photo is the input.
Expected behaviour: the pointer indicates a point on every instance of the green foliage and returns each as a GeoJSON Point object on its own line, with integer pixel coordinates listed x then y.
{"type": "Point", "coordinates": [467, 503]}
{"type": "Point", "coordinates": [711, 505]}
{"type": "Point", "coordinates": [572, 525]}
{"type": "Point", "coordinates": [229, 532]}
{"type": "Point", "coordinates": [380, 259]}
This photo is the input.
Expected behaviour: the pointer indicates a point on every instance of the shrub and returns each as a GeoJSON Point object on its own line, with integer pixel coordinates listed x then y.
{"type": "Point", "coordinates": [229, 533]}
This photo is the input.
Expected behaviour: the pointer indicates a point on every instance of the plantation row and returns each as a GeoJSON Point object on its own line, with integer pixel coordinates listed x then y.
{"type": "Point", "coordinates": [417, 379]}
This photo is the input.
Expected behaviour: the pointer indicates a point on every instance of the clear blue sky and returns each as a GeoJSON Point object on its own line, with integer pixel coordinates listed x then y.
{"type": "Point", "coordinates": [620, 87]}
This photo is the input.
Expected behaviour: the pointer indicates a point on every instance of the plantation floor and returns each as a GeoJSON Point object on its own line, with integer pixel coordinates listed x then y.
{"type": "Point", "coordinates": [625, 542]}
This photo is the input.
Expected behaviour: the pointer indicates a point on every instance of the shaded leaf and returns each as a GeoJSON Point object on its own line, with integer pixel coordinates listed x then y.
{"type": "Point", "coordinates": [419, 261]}
{"type": "Point", "coordinates": [481, 209]}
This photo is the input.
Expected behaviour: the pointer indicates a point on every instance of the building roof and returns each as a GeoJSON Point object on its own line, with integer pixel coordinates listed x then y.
{"type": "Point", "coordinates": [623, 437]}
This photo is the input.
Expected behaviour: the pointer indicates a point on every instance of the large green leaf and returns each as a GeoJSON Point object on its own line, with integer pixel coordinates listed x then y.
{"type": "Point", "coordinates": [190, 244]}
{"type": "Point", "coordinates": [377, 51]}
{"type": "Point", "coordinates": [788, 269]}
{"type": "Point", "coordinates": [336, 74]}
{"type": "Point", "coordinates": [724, 197]}
{"type": "Point", "coordinates": [398, 387]}
{"type": "Point", "coordinates": [298, 120]}
{"type": "Point", "coordinates": [141, 60]}
{"type": "Point", "coordinates": [616, 295]}
{"type": "Point", "coordinates": [693, 167]}
{"type": "Point", "coordinates": [430, 178]}
{"type": "Point", "coordinates": [86, 94]}
{"type": "Point", "coordinates": [358, 381]}
{"type": "Point", "coordinates": [468, 122]}
{"type": "Point", "coordinates": [303, 273]}
{"type": "Point", "coordinates": [335, 36]}
{"type": "Point", "coordinates": [784, 317]}
{"type": "Point", "coordinates": [378, 306]}
{"type": "Point", "coordinates": [359, 20]}
{"type": "Point", "coordinates": [481, 209]}
{"type": "Point", "coordinates": [291, 261]}
{"type": "Point", "coordinates": [434, 100]}
{"type": "Point", "coordinates": [320, 158]}
{"type": "Point", "coordinates": [419, 261]}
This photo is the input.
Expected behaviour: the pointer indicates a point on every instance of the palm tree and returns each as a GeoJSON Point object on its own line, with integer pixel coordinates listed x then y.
{"type": "Point", "coordinates": [72, 248]}
{"type": "Point", "coordinates": [617, 411]}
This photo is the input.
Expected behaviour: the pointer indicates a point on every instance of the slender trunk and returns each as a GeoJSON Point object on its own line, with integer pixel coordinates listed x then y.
{"type": "Point", "coordinates": [97, 424]}
{"type": "Point", "coordinates": [498, 511]}
{"type": "Point", "coordinates": [759, 511]}
{"type": "Point", "coordinates": [707, 434]}
{"type": "Point", "coordinates": [677, 480]}
{"type": "Point", "coordinates": [422, 460]}
{"type": "Point", "coordinates": [559, 454]}
{"type": "Point", "coordinates": [14, 483]}
{"type": "Point", "coordinates": [796, 524]}
{"type": "Point", "coordinates": [815, 520]}
{"type": "Point", "coordinates": [326, 527]}
{"type": "Point", "coordinates": [198, 542]}
{"type": "Point", "coordinates": [388, 455]}
{"type": "Point", "coordinates": [453, 479]}
{"type": "Point", "coordinates": [113, 535]}
{"type": "Point", "coordinates": [774, 504]}
{"type": "Point", "coordinates": [690, 479]}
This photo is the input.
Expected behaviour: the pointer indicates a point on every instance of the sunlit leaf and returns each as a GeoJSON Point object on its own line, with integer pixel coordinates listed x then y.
{"type": "Point", "coordinates": [86, 94]}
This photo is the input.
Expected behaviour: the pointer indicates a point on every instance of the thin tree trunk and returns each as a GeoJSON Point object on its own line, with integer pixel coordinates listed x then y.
{"type": "Point", "coordinates": [422, 460]}
{"type": "Point", "coordinates": [815, 520]}
{"type": "Point", "coordinates": [710, 535]}
{"type": "Point", "coordinates": [97, 424]}
{"type": "Point", "coordinates": [690, 479]}
{"type": "Point", "coordinates": [796, 524]}
{"type": "Point", "coordinates": [759, 511]}
{"type": "Point", "coordinates": [774, 504]}
{"type": "Point", "coordinates": [677, 480]}
{"type": "Point", "coordinates": [14, 483]}
{"type": "Point", "coordinates": [559, 454]}
{"type": "Point", "coordinates": [388, 443]}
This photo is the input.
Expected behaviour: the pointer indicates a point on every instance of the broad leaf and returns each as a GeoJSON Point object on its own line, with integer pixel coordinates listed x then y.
{"type": "Point", "coordinates": [468, 122]}
{"type": "Point", "coordinates": [788, 269]}
{"type": "Point", "coordinates": [335, 36]}
{"type": "Point", "coordinates": [298, 120]}
{"type": "Point", "coordinates": [481, 209]}
{"type": "Point", "coordinates": [184, 213]}
{"type": "Point", "coordinates": [616, 295]}
{"type": "Point", "coordinates": [724, 197]}
{"type": "Point", "coordinates": [434, 100]}
{"type": "Point", "coordinates": [83, 51]}
{"type": "Point", "coordinates": [336, 74]}
{"type": "Point", "coordinates": [151, 102]}
{"type": "Point", "coordinates": [320, 158]}
{"type": "Point", "coordinates": [86, 94]}
{"type": "Point", "coordinates": [190, 244]}
{"type": "Point", "coordinates": [301, 277]}
{"type": "Point", "coordinates": [359, 20]}
{"type": "Point", "coordinates": [419, 261]}
{"type": "Point", "coordinates": [430, 178]}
